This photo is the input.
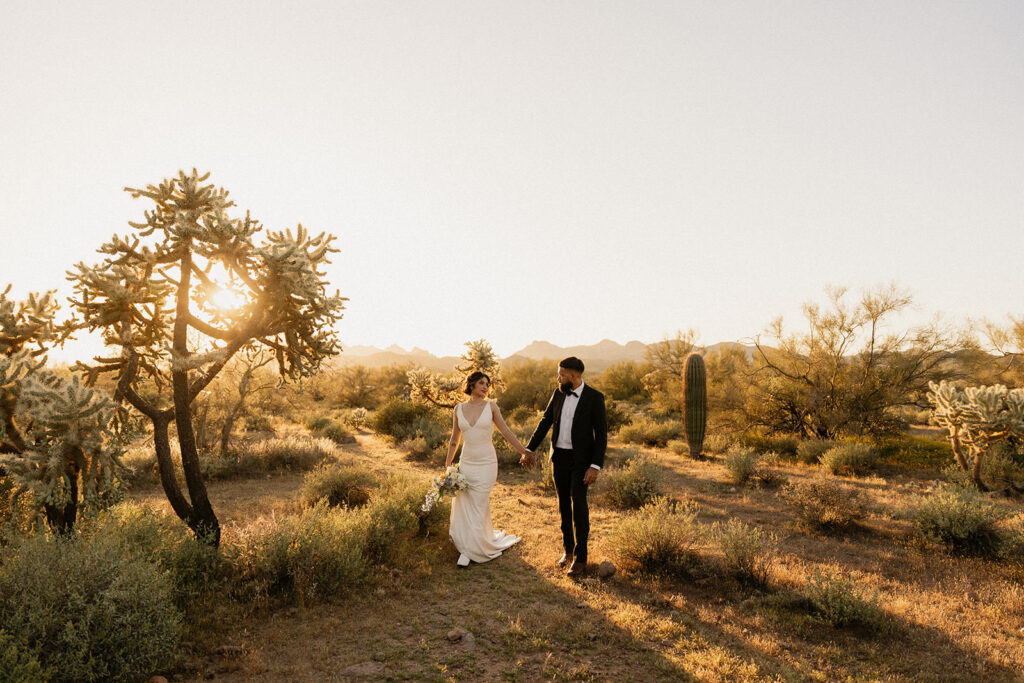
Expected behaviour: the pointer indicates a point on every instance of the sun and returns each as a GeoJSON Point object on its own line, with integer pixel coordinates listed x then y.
{"type": "Point", "coordinates": [226, 299]}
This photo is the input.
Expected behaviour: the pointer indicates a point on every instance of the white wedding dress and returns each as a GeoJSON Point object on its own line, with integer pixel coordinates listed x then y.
{"type": "Point", "coordinates": [470, 527]}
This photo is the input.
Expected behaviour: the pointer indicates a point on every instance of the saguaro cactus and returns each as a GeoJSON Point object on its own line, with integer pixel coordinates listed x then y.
{"type": "Point", "coordinates": [695, 403]}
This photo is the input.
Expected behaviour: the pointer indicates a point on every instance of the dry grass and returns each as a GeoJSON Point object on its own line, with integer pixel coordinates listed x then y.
{"type": "Point", "coordinates": [954, 618]}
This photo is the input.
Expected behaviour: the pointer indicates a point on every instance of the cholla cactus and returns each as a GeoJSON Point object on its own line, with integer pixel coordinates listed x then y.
{"type": "Point", "coordinates": [56, 440]}
{"type": "Point", "coordinates": [157, 289]}
{"type": "Point", "coordinates": [975, 419]}
{"type": "Point", "coordinates": [445, 391]}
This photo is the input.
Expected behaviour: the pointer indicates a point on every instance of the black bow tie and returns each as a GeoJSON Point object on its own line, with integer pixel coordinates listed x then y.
{"type": "Point", "coordinates": [572, 393]}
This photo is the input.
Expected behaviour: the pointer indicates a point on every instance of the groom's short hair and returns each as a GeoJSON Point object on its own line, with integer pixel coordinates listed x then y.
{"type": "Point", "coordinates": [572, 363]}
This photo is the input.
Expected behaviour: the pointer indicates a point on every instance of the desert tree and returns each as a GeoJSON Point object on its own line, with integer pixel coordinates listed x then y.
{"type": "Point", "coordinates": [191, 267]}
{"type": "Point", "coordinates": [1006, 342]}
{"type": "Point", "coordinates": [846, 373]}
{"type": "Point", "coordinates": [445, 391]}
{"type": "Point", "coordinates": [665, 360]}
{"type": "Point", "coordinates": [57, 436]}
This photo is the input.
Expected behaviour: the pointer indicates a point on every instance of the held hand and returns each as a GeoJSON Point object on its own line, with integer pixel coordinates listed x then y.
{"type": "Point", "coordinates": [590, 476]}
{"type": "Point", "coordinates": [526, 460]}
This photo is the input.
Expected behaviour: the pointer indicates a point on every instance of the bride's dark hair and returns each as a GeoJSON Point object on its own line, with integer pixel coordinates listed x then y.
{"type": "Point", "coordinates": [472, 380]}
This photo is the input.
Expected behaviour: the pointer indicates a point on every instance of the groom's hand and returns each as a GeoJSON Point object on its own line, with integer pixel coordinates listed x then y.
{"type": "Point", "coordinates": [526, 460]}
{"type": "Point", "coordinates": [590, 476]}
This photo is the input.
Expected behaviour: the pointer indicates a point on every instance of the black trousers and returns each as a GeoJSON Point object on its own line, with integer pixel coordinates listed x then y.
{"type": "Point", "coordinates": [572, 502]}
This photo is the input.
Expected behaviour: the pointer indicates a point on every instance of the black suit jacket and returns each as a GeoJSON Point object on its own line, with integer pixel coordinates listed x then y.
{"type": "Point", "coordinates": [589, 426]}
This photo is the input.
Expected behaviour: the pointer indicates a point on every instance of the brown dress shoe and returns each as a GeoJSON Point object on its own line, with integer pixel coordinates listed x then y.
{"type": "Point", "coordinates": [564, 560]}
{"type": "Point", "coordinates": [577, 569]}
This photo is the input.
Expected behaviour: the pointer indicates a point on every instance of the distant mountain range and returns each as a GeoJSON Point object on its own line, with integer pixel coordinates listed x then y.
{"type": "Point", "coordinates": [597, 357]}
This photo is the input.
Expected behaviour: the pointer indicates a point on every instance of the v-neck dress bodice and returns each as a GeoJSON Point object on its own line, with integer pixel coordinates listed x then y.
{"type": "Point", "coordinates": [470, 528]}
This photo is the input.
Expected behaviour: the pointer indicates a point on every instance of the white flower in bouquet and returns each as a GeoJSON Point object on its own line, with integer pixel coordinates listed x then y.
{"type": "Point", "coordinates": [448, 484]}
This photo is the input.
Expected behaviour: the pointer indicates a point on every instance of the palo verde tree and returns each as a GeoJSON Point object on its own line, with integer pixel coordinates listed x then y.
{"type": "Point", "coordinates": [190, 268]}
{"type": "Point", "coordinates": [445, 391]}
{"type": "Point", "coordinates": [846, 374]}
{"type": "Point", "coordinates": [57, 441]}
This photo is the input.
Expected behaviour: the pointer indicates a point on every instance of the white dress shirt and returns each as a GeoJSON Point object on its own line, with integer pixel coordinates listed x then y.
{"type": "Point", "coordinates": [568, 413]}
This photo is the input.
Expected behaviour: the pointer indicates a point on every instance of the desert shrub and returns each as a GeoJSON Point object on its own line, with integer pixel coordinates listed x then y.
{"type": "Point", "coordinates": [428, 434]}
{"type": "Point", "coordinates": [824, 504]}
{"type": "Point", "coordinates": [327, 553]}
{"type": "Point", "coordinates": [913, 452]}
{"type": "Point", "coordinates": [258, 422]}
{"type": "Point", "coordinates": [840, 602]}
{"type": "Point", "coordinates": [621, 455]}
{"type": "Point", "coordinates": [141, 466]}
{"type": "Point", "coordinates": [749, 552]}
{"type": "Point", "coordinates": [528, 385]}
{"type": "Point", "coordinates": [308, 558]}
{"type": "Point", "coordinates": [660, 538]}
{"type": "Point", "coordinates": [743, 464]}
{"type": "Point", "coordinates": [617, 415]}
{"type": "Point", "coordinates": [960, 518]}
{"type": "Point", "coordinates": [17, 665]}
{"type": "Point", "coordinates": [194, 567]}
{"type": "Point", "coordinates": [624, 381]}
{"type": "Point", "coordinates": [717, 443]}
{"type": "Point", "coordinates": [633, 485]}
{"type": "Point", "coordinates": [87, 608]}
{"type": "Point", "coordinates": [296, 453]}
{"type": "Point", "coordinates": [394, 418]}
{"type": "Point", "coordinates": [809, 451]}
{"type": "Point", "coordinates": [1001, 465]}
{"type": "Point", "coordinates": [648, 432]}
{"type": "Point", "coordinates": [678, 446]}
{"type": "Point", "coordinates": [765, 443]}
{"type": "Point", "coordinates": [338, 485]}
{"type": "Point", "coordinates": [849, 458]}
{"type": "Point", "coordinates": [317, 422]}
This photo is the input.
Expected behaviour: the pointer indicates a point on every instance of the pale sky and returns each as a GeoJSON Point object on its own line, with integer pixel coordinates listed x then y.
{"type": "Point", "coordinates": [567, 171]}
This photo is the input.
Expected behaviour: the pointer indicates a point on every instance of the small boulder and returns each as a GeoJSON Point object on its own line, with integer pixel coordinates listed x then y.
{"type": "Point", "coordinates": [456, 634]}
{"type": "Point", "coordinates": [157, 679]}
{"type": "Point", "coordinates": [468, 641]}
{"type": "Point", "coordinates": [606, 569]}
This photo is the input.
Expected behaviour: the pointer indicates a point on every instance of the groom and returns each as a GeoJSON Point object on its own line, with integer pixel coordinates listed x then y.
{"type": "Point", "coordinates": [579, 439]}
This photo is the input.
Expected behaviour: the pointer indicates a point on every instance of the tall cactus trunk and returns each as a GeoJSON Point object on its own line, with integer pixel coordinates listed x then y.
{"type": "Point", "coordinates": [695, 403]}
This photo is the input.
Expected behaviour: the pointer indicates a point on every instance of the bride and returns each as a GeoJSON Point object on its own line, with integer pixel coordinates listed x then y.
{"type": "Point", "coordinates": [474, 420]}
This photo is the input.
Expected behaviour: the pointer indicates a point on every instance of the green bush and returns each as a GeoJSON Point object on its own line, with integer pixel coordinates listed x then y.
{"type": "Point", "coordinates": [617, 415]}
{"type": "Point", "coordinates": [633, 485]}
{"type": "Point", "coordinates": [338, 485]}
{"type": "Point", "coordinates": [17, 665]}
{"type": "Point", "coordinates": [960, 518]}
{"type": "Point", "coordinates": [318, 422]}
{"type": "Point", "coordinates": [913, 452]}
{"type": "Point", "coordinates": [394, 418]}
{"type": "Point", "coordinates": [749, 552]}
{"type": "Point", "coordinates": [824, 504]}
{"type": "Point", "coordinates": [648, 432]}
{"type": "Point", "coordinates": [849, 458]}
{"type": "Point", "coordinates": [295, 453]}
{"type": "Point", "coordinates": [809, 451]}
{"type": "Point", "coordinates": [743, 464]}
{"type": "Point", "coordinates": [840, 602]}
{"type": "Point", "coordinates": [660, 538]}
{"type": "Point", "coordinates": [309, 558]}
{"type": "Point", "coordinates": [195, 568]}
{"type": "Point", "coordinates": [327, 553]}
{"type": "Point", "coordinates": [762, 443]}
{"type": "Point", "coordinates": [88, 609]}
{"type": "Point", "coordinates": [678, 446]}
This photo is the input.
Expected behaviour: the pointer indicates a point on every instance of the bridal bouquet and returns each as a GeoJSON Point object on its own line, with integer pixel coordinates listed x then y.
{"type": "Point", "coordinates": [448, 484]}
